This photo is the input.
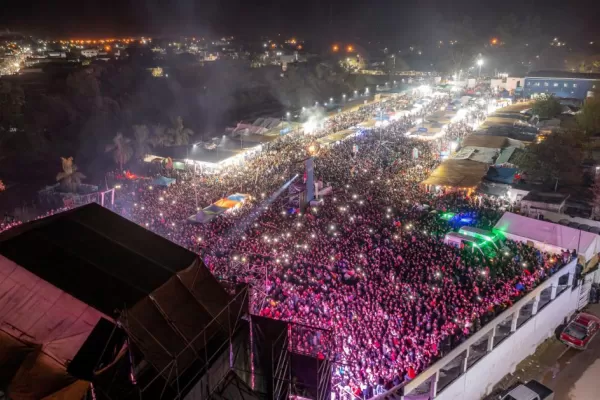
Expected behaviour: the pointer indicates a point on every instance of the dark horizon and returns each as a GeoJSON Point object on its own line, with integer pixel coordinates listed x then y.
{"type": "Point", "coordinates": [393, 22]}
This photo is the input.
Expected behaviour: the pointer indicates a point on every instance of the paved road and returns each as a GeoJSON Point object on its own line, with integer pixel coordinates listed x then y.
{"type": "Point", "coordinates": [579, 376]}
{"type": "Point", "coordinates": [577, 373]}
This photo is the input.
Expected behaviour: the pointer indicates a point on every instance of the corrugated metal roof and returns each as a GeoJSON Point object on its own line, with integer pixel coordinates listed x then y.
{"type": "Point", "coordinates": [505, 155]}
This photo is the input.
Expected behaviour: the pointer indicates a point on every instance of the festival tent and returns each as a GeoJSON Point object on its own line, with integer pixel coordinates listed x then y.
{"type": "Point", "coordinates": [548, 236]}
{"type": "Point", "coordinates": [163, 181]}
{"type": "Point", "coordinates": [226, 203]}
{"type": "Point", "coordinates": [458, 174]}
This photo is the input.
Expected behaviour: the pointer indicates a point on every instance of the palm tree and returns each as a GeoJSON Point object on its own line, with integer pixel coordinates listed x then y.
{"type": "Point", "coordinates": [121, 149]}
{"type": "Point", "coordinates": [69, 178]}
{"type": "Point", "coordinates": [181, 135]}
{"type": "Point", "coordinates": [142, 142]}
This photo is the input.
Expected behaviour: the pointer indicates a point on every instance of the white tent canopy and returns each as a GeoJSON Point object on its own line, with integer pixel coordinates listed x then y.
{"type": "Point", "coordinates": [548, 236]}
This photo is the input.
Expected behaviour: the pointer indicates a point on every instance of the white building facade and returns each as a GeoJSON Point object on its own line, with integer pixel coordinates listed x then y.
{"type": "Point", "coordinates": [471, 370]}
{"type": "Point", "coordinates": [89, 53]}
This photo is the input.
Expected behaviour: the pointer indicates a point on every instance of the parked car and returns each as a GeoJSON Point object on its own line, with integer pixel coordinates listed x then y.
{"type": "Point", "coordinates": [532, 390]}
{"type": "Point", "coordinates": [580, 331]}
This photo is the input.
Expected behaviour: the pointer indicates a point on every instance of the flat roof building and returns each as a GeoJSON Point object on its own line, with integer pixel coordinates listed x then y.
{"type": "Point", "coordinates": [561, 84]}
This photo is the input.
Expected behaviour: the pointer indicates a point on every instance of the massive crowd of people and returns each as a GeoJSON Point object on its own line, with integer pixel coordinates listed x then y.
{"type": "Point", "coordinates": [367, 266]}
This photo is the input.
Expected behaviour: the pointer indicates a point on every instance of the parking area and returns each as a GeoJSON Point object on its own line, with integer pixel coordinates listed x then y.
{"type": "Point", "coordinates": [572, 374]}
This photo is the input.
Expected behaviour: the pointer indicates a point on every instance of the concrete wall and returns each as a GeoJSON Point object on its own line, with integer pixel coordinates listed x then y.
{"type": "Point", "coordinates": [513, 82]}
{"type": "Point", "coordinates": [546, 306]}
{"type": "Point", "coordinates": [509, 83]}
{"type": "Point", "coordinates": [478, 381]}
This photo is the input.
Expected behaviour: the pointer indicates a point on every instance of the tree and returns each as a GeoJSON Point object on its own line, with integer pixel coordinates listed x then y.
{"type": "Point", "coordinates": [546, 106]}
{"type": "Point", "coordinates": [12, 101]}
{"type": "Point", "coordinates": [596, 196]}
{"type": "Point", "coordinates": [556, 159]}
{"type": "Point", "coordinates": [180, 134]}
{"type": "Point", "coordinates": [589, 117]}
{"type": "Point", "coordinates": [69, 178]}
{"type": "Point", "coordinates": [121, 150]}
{"type": "Point", "coordinates": [141, 134]}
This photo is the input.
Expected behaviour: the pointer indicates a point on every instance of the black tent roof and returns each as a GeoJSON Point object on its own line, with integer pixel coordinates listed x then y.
{"type": "Point", "coordinates": [96, 256]}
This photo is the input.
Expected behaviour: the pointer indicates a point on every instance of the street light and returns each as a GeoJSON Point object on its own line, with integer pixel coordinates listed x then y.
{"type": "Point", "coordinates": [480, 63]}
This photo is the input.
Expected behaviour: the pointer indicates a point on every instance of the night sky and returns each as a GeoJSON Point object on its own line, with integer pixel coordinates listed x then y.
{"type": "Point", "coordinates": [394, 21]}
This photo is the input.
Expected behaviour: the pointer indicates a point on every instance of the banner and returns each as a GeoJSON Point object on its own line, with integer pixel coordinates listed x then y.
{"type": "Point", "coordinates": [415, 153]}
{"type": "Point", "coordinates": [310, 185]}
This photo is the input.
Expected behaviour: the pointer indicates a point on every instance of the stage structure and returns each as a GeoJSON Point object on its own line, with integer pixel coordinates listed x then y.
{"type": "Point", "coordinates": [136, 316]}
{"type": "Point", "coordinates": [286, 368]}
{"type": "Point", "coordinates": [52, 196]}
{"type": "Point", "coordinates": [300, 194]}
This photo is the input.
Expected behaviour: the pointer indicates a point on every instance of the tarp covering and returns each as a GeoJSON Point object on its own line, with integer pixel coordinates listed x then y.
{"type": "Point", "coordinates": [12, 354]}
{"type": "Point", "coordinates": [480, 154]}
{"type": "Point", "coordinates": [162, 328]}
{"type": "Point", "coordinates": [163, 181]}
{"type": "Point", "coordinates": [47, 315]}
{"type": "Point", "coordinates": [226, 203]}
{"type": "Point", "coordinates": [501, 175]}
{"type": "Point", "coordinates": [75, 390]}
{"type": "Point", "coordinates": [213, 209]}
{"type": "Point", "coordinates": [458, 174]}
{"type": "Point", "coordinates": [30, 374]}
{"type": "Point", "coordinates": [38, 376]}
{"type": "Point", "coordinates": [548, 236]}
{"type": "Point", "coordinates": [95, 255]}
{"type": "Point", "coordinates": [505, 155]}
{"type": "Point", "coordinates": [493, 188]}
{"type": "Point", "coordinates": [201, 217]}
{"type": "Point", "coordinates": [492, 142]}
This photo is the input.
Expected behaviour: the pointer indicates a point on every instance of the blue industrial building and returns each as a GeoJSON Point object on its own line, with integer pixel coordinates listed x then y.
{"type": "Point", "coordinates": [571, 85]}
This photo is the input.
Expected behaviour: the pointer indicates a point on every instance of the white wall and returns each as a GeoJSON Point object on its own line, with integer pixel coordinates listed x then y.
{"type": "Point", "coordinates": [480, 378]}
{"type": "Point", "coordinates": [89, 53]}
{"type": "Point", "coordinates": [497, 83]}
{"type": "Point", "coordinates": [478, 381]}
{"type": "Point", "coordinates": [511, 83]}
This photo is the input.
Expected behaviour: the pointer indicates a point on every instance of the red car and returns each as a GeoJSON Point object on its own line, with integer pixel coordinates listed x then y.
{"type": "Point", "coordinates": [580, 331]}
